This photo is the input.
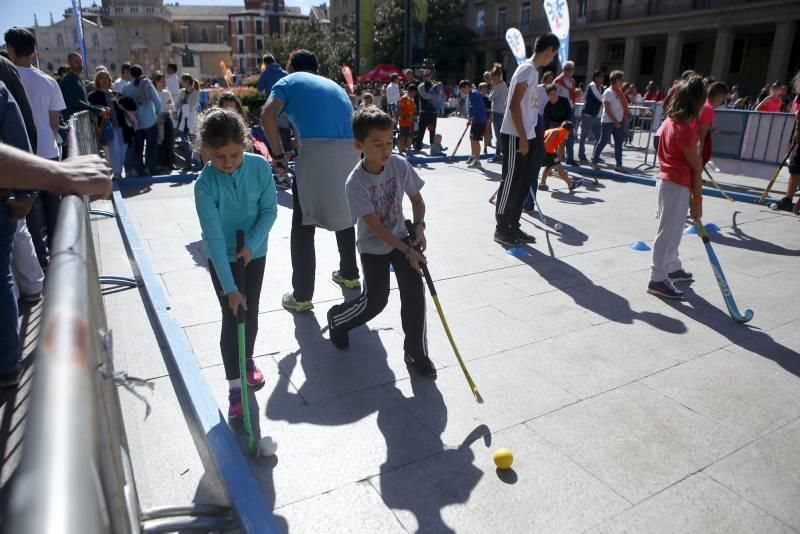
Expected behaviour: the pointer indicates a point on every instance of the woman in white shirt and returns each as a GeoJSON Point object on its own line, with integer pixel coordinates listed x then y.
{"type": "Point", "coordinates": [166, 130]}
{"type": "Point", "coordinates": [615, 113]}
{"type": "Point", "coordinates": [188, 105]}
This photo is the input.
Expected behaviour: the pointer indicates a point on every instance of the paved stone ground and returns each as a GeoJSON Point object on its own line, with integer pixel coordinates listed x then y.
{"type": "Point", "coordinates": [625, 413]}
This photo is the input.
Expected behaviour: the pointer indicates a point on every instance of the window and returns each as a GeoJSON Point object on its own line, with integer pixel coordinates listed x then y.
{"type": "Point", "coordinates": [241, 64]}
{"type": "Point", "coordinates": [525, 16]}
{"type": "Point", "coordinates": [259, 45]}
{"type": "Point", "coordinates": [737, 55]}
{"type": "Point", "coordinates": [615, 52]}
{"type": "Point", "coordinates": [688, 56]}
{"type": "Point", "coordinates": [95, 40]}
{"type": "Point", "coordinates": [701, 4]}
{"type": "Point", "coordinates": [134, 10]}
{"type": "Point", "coordinates": [259, 27]}
{"type": "Point", "coordinates": [241, 46]}
{"type": "Point", "coordinates": [239, 27]}
{"type": "Point", "coordinates": [286, 27]}
{"type": "Point", "coordinates": [502, 16]}
{"type": "Point", "coordinates": [480, 19]}
{"type": "Point", "coordinates": [204, 34]}
{"type": "Point", "coordinates": [614, 9]}
{"type": "Point", "coordinates": [119, 10]}
{"type": "Point", "coordinates": [220, 34]}
{"type": "Point", "coordinates": [150, 10]}
{"type": "Point", "coordinates": [648, 62]}
{"type": "Point", "coordinates": [185, 32]}
{"type": "Point", "coordinates": [583, 8]}
{"type": "Point", "coordinates": [60, 41]}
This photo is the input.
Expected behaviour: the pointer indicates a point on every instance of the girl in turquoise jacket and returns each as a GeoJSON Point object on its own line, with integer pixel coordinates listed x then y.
{"type": "Point", "coordinates": [235, 191]}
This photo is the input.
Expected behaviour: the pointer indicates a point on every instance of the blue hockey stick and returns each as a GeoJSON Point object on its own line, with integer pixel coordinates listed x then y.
{"type": "Point", "coordinates": [727, 294]}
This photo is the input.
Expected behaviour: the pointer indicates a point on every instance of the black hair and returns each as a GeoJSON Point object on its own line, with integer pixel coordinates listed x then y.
{"type": "Point", "coordinates": [216, 127]}
{"type": "Point", "coordinates": [268, 59]}
{"type": "Point", "coordinates": [172, 67]}
{"type": "Point", "coordinates": [598, 73]}
{"type": "Point", "coordinates": [304, 61]}
{"type": "Point", "coordinates": [717, 88]}
{"type": "Point", "coordinates": [22, 40]}
{"type": "Point", "coordinates": [567, 125]}
{"type": "Point", "coordinates": [411, 87]}
{"type": "Point", "coordinates": [550, 88]}
{"type": "Point", "coordinates": [126, 67]}
{"type": "Point", "coordinates": [370, 118]}
{"type": "Point", "coordinates": [393, 77]}
{"type": "Point", "coordinates": [228, 96]}
{"type": "Point", "coordinates": [136, 71]}
{"type": "Point", "coordinates": [545, 41]}
{"type": "Point", "coordinates": [157, 75]}
{"type": "Point", "coordinates": [463, 83]}
{"type": "Point", "coordinates": [688, 99]}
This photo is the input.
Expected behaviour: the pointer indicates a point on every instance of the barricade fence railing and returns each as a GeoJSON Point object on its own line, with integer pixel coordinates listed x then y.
{"type": "Point", "coordinates": [75, 474]}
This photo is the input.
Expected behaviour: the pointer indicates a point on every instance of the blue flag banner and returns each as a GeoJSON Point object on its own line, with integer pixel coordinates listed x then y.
{"type": "Point", "coordinates": [558, 16]}
{"type": "Point", "coordinates": [77, 15]}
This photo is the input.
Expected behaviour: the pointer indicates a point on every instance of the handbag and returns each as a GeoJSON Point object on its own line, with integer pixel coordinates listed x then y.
{"type": "Point", "coordinates": [106, 133]}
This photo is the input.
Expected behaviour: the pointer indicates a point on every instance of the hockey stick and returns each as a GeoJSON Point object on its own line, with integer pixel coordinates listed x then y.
{"type": "Point", "coordinates": [733, 310]}
{"type": "Point", "coordinates": [713, 181]}
{"type": "Point", "coordinates": [252, 447]}
{"type": "Point", "coordinates": [453, 155]}
{"type": "Point", "coordinates": [435, 296]}
{"type": "Point", "coordinates": [775, 176]}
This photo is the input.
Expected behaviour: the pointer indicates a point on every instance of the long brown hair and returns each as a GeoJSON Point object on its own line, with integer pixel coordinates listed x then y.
{"type": "Point", "coordinates": [188, 78]}
{"type": "Point", "coordinates": [230, 97]}
{"type": "Point", "coordinates": [690, 94]}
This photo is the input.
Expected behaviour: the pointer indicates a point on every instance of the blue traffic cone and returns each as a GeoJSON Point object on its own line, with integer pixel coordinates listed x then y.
{"type": "Point", "coordinates": [640, 245]}
{"type": "Point", "coordinates": [517, 252]}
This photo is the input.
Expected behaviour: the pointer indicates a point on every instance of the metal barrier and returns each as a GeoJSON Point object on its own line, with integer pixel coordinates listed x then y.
{"type": "Point", "coordinates": [643, 121]}
{"type": "Point", "coordinates": [76, 475]}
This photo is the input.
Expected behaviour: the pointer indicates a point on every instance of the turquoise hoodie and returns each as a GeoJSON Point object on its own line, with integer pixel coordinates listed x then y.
{"type": "Point", "coordinates": [244, 199]}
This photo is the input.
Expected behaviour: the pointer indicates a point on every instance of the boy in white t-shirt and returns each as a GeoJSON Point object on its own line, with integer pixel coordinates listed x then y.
{"type": "Point", "coordinates": [393, 95]}
{"type": "Point", "coordinates": [375, 191]}
{"type": "Point", "coordinates": [615, 113]}
{"type": "Point", "coordinates": [518, 133]}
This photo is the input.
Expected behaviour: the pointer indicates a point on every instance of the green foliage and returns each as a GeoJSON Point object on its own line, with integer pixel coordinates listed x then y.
{"type": "Point", "coordinates": [332, 49]}
{"type": "Point", "coordinates": [389, 32]}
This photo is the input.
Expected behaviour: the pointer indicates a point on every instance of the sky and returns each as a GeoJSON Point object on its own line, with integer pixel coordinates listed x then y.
{"type": "Point", "coordinates": [20, 13]}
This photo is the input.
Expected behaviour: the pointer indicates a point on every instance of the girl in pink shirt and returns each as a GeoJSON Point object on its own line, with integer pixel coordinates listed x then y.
{"type": "Point", "coordinates": [678, 180]}
{"type": "Point", "coordinates": [717, 93]}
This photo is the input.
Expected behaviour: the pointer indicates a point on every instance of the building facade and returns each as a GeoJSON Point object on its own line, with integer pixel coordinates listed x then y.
{"type": "Point", "coordinates": [201, 37]}
{"type": "Point", "coordinates": [252, 29]}
{"type": "Point", "coordinates": [744, 42]}
{"type": "Point", "coordinates": [55, 41]}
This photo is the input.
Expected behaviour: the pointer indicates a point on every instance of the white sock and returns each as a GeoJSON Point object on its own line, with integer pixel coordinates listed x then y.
{"type": "Point", "coordinates": [234, 384]}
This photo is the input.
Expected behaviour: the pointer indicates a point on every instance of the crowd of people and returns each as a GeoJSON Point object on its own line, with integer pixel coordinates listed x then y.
{"type": "Point", "coordinates": [348, 179]}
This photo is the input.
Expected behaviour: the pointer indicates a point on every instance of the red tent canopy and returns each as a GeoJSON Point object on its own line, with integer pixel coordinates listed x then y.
{"type": "Point", "coordinates": [381, 73]}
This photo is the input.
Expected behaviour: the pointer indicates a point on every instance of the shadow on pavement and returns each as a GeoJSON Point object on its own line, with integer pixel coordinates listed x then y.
{"type": "Point", "coordinates": [746, 337]}
{"type": "Point", "coordinates": [742, 240]}
{"type": "Point", "coordinates": [399, 488]}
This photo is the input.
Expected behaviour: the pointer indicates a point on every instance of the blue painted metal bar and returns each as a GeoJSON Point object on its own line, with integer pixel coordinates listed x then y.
{"type": "Point", "coordinates": [646, 180]}
{"type": "Point", "coordinates": [213, 437]}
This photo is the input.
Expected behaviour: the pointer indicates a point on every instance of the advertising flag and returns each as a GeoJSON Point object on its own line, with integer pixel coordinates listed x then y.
{"type": "Point", "coordinates": [558, 17]}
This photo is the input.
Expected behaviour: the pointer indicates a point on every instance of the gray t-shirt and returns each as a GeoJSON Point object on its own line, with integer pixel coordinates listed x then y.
{"type": "Point", "coordinates": [382, 194]}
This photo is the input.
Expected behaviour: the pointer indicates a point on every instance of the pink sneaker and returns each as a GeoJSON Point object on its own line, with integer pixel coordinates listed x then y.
{"type": "Point", "coordinates": [235, 410]}
{"type": "Point", "coordinates": [255, 378]}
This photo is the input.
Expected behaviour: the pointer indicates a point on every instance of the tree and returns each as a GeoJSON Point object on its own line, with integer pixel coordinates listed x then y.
{"type": "Point", "coordinates": [389, 32]}
{"type": "Point", "coordinates": [332, 49]}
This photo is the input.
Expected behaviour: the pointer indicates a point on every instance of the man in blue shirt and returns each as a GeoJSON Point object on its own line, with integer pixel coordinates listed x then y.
{"type": "Point", "coordinates": [321, 113]}
{"type": "Point", "coordinates": [272, 73]}
{"type": "Point", "coordinates": [476, 111]}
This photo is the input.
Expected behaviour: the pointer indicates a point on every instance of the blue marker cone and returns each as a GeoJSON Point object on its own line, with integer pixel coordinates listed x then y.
{"type": "Point", "coordinates": [517, 252]}
{"type": "Point", "coordinates": [640, 245]}
{"type": "Point", "coordinates": [711, 227]}
{"type": "Point", "coordinates": [690, 230]}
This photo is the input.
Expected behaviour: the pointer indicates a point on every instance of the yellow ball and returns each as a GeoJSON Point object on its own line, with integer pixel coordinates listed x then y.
{"type": "Point", "coordinates": [503, 458]}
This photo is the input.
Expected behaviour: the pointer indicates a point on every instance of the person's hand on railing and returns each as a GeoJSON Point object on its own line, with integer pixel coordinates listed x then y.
{"type": "Point", "coordinates": [82, 175]}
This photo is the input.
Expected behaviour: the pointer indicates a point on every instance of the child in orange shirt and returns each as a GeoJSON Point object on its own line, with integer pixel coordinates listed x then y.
{"type": "Point", "coordinates": [555, 139]}
{"type": "Point", "coordinates": [405, 118]}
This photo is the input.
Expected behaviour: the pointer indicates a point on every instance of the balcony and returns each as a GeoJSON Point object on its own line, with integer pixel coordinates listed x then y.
{"type": "Point", "coordinates": [499, 32]}
{"type": "Point", "coordinates": [649, 8]}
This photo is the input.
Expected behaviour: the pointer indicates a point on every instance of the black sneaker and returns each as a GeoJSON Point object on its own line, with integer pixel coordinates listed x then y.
{"type": "Point", "coordinates": [680, 276]}
{"type": "Point", "coordinates": [785, 204]}
{"type": "Point", "coordinates": [423, 366]}
{"type": "Point", "coordinates": [339, 338]}
{"type": "Point", "coordinates": [664, 290]}
{"type": "Point", "coordinates": [505, 239]}
{"type": "Point", "coordinates": [576, 182]}
{"type": "Point", "coordinates": [524, 237]}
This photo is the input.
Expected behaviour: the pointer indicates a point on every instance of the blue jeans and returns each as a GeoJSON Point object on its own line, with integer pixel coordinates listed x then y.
{"type": "Point", "coordinates": [497, 122]}
{"type": "Point", "coordinates": [589, 124]}
{"type": "Point", "coordinates": [609, 130]}
{"type": "Point", "coordinates": [9, 335]}
{"type": "Point", "coordinates": [571, 138]}
{"type": "Point", "coordinates": [147, 142]}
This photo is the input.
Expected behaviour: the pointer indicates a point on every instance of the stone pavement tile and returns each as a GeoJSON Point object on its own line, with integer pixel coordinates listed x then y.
{"type": "Point", "coordinates": [635, 439]}
{"type": "Point", "coordinates": [195, 308]}
{"type": "Point", "coordinates": [460, 490]}
{"type": "Point", "coordinates": [187, 282]}
{"type": "Point", "coordinates": [743, 393]}
{"type": "Point", "coordinates": [353, 508]}
{"type": "Point", "coordinates": [608, 263]}
{"type": "Point", "coordinates": [167, 468]}
{"type": "Point", "coordinates": [589, 362]}
{"type": "Point", "coordinates": [511, 392]}
{"type": "Point", "coordinates": [327, 445]}
{"type": "Point", "coordinates": [478, 332]}
{"type": "Point", "coordinates": [694, 505]}
{"type": "Point", "coordinates": [475, 291]}
{"type": "Point", "coordinates": [766, 473]}
{"type": "Point", "coordinates": [777, 348]}
{"type": "Point", "coordinates": [546, 276]}
{"type": "Point", "coordinates": [135, 347]}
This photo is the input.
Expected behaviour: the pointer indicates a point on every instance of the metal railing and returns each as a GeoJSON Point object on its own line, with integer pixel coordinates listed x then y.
{"type": "Point", "coordinates": [75, 474]}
